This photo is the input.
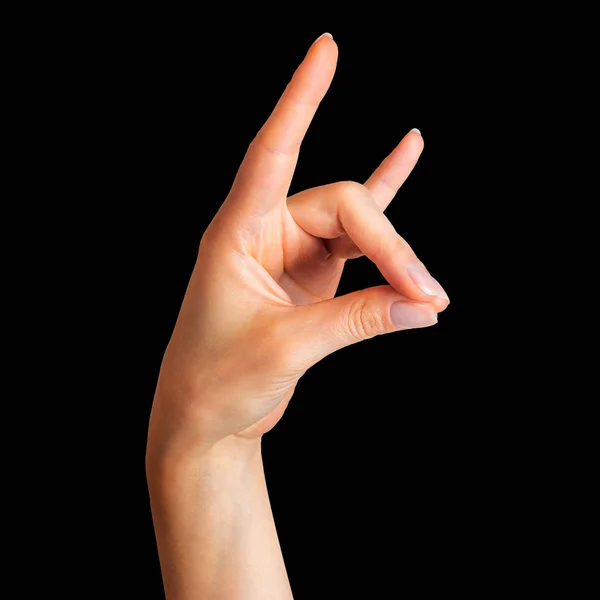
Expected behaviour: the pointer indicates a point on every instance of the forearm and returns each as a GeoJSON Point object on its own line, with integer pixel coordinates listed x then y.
{"type": "Point", "coordinates": [214, 526]}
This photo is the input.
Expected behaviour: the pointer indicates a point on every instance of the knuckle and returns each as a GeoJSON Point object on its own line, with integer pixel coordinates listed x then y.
{"type": "Point", "coordinates": [362, 322]}
{"type": "Point", "coordinates": [350, 191]}
{"type": "Point", "coordinates": [400, 248]}
{"type": "Point", "coordinates": [397, 246]}
{"type": "Point", "coordinates": [382, 249]}
{"type": "Point", "coordinates": [386, 247]}
{"type": "Point", "coordinates": [261, 143]}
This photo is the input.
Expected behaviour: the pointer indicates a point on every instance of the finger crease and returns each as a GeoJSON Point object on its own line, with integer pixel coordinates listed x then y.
{"type": "Point", "coordinates": [276, 151]}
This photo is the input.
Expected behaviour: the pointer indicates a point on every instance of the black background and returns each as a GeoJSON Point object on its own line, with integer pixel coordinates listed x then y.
{"type": "Point", "coordinates": [416, 462]}
{"type": "Point", "coordinates": [379, 472]}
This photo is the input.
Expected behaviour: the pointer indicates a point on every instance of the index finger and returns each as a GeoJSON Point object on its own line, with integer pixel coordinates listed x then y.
{"type": "Point", "coordinates": [266, 172]}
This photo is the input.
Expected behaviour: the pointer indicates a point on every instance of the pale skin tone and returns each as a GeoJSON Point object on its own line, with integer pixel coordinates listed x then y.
{"type": "Point", "coordinates": [258, 312]}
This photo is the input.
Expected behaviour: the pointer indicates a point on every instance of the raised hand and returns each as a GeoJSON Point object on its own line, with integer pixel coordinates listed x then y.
{"type": "Point", "coordinates": [260, 306]}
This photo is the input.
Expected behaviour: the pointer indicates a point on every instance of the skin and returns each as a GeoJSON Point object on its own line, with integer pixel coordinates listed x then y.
{"type": "Point", "coordinates": [258, 312]}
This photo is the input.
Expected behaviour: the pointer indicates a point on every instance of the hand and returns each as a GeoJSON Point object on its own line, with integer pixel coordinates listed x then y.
{"type": "Point", "coordinates": [260, 307]}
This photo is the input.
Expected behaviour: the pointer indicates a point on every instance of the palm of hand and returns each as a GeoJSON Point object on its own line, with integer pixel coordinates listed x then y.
{"type": "Point", "coordinates": [299, 263]}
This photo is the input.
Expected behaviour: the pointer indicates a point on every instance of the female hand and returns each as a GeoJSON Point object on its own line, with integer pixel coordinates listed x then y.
{"type": "Point", "coordinates": [260, 307]}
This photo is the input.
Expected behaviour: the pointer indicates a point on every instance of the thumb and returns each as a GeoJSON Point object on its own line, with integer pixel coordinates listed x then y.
{"type": "Point", "coordinates": [330, 325]}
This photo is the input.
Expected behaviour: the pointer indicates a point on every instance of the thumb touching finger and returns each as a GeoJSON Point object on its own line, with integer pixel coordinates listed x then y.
{"type": "Point", "coordinates": [332, 324]}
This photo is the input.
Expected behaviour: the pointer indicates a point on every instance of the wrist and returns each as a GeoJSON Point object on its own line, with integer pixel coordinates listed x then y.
{"type": "Point", "coordinates": [200, 504]}
{"type": "Point", "coordinates": [176, 461]}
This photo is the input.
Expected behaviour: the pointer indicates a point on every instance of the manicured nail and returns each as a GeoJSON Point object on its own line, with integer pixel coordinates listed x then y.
{"type": "Point", "coordinates": [424, 281]}
{"type": "Point", "coordinates": [323, 35]}
{"type": "Point", "coordinates": [408, 315]}
{"type": "Point", "coordinates": [415, 130]}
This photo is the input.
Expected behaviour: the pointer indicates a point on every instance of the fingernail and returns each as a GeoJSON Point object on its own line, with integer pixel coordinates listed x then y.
{"type": "Point", "coordinates": [408, 315]}
{"type": "Point", "coordinates": [326, 34]}
{"type": "Point", "coordinates": [415, 130]}
{"type": "Point", "coordinates": [424, 281]}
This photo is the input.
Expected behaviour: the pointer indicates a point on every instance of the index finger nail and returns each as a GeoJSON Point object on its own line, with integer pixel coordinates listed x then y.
{"type": "Point", "coordinates": [424, 281]}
